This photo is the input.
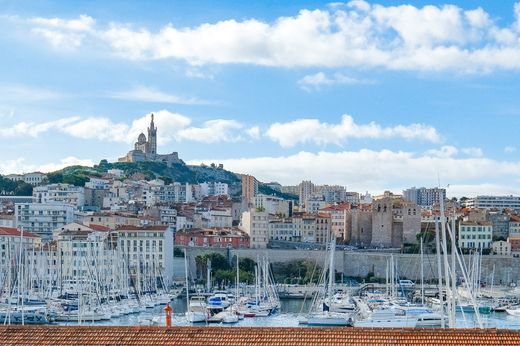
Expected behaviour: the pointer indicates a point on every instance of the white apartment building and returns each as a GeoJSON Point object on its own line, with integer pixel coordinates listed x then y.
{"type": "Point", "coordinates": [333, 193]}
{"type": "Point", "coordinates": [424, 197]}
{"type": "Point", "coordinates": [60, 193]}
{"type": "Point", "coordinates": [271, 204]}
{"type": "Point", "coordinates": [10, 243]}
{"type": "Point", "coordinates": [493, 202]}
{"type": "Point", "coordinates": [41, 218]}
{"type": "Point", "coordinates": [475, 235]}
{"type": "Point", "coordinates": [213, 189]}
{"type": "Point", "coordinates": [256, 225]}
{"type": "Point", "coordinates": [217, 217]}
{"type": "Point", "coordinates": [314, 203]}
{"type": "Point", "coordinates": [34, 178]}
{"type": "Point", "coordinates": [147, 247]}
{"type": "Point", "coordinates": [168, 217]}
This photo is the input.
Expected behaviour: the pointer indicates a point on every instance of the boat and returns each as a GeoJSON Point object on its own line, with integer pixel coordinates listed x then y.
{"type": "Point", "coordinates": [387, 318]}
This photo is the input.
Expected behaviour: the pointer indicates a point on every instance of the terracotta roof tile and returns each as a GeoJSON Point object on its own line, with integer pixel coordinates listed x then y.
{"type": "Point", "coordinates": [143, 336]}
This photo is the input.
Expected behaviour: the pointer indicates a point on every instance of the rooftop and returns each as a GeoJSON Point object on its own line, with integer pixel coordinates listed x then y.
{"type": "Point", "coordinates": [15, 232]}
{"type": "Point", "coordinates": [125, 335]}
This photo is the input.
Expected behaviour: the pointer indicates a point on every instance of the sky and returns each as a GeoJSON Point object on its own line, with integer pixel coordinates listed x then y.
{"type": "Point", "coordinates": [373, 96]}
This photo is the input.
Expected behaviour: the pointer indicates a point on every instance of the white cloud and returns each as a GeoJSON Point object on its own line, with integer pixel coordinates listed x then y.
{"type": "Point", "coordinates": [509, 149]}
{"type": "Point", "coordinates": [473, 152]}
{"type": "Point", "coordinates": [21, 166]}
{"type": "Point", "coordinates": [213, 131]}
{"type": "Point", "coordinates": [319, 79]}
{"type": "Point", "coordinates": [63, 33]}
{"type": "Point", "coordinates": [147, 94]}
{"type": "Point", "coordinates": [173, 126]}
{"type": "Point", "coordinates": [445, 151]}
{"type": "Point", "coordinates": [35, 129]}
{"type": "Point", "coordinates": [253, 132]}
{"type": "Point", "coordinates": [377, 171]}
{"type": "Point", "coordinates": [313, 131]}
{"type": "Point", "coordinates": [105, 129]}
{"type": "Point", "coordinates": [404, 37]}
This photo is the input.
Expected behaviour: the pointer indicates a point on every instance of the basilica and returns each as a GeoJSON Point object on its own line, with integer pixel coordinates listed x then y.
{"type": "Point", "coordinates": [146, 149]}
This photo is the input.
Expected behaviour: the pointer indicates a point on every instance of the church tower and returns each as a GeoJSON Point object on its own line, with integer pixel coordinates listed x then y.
{"type": "Point", "coordinates": [152, 138]}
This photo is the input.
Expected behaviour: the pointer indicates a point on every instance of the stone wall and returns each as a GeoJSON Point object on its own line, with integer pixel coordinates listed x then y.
{"type": "Point", "coordinates": [360, 264]}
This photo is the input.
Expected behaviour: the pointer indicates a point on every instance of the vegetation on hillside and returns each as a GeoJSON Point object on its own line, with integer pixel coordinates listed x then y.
{"type": "Point", "coordinates": [14, 188]}
{"type": "Point", "coordinates": [267, 190]}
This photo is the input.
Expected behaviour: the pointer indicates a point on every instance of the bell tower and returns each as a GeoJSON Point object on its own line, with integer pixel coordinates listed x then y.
{"type": "Point", "coordinates": [152, 138]}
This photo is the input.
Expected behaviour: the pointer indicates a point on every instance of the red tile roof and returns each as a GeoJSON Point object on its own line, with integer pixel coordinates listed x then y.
{"type": "Point", "coordinates": [99, 227]}
{"type": "Point", "coordinates": [15, 232]}
{"type": "Point", "coordinates": [235, 336]}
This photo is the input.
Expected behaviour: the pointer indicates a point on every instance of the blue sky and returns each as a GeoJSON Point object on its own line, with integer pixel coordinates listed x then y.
{"type": "Point", "coordinates": [370, 95]}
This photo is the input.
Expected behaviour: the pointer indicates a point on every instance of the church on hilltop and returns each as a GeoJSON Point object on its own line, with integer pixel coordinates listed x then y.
{"type": "Point", "coordinates": [146, 149]}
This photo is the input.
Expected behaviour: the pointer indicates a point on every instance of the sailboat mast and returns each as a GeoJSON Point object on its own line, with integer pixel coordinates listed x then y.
{"type": "Point", "coordinates": [439, 272]}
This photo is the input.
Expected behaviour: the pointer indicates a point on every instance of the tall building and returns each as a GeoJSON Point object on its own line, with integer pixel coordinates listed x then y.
{"type": "Point", "coordinates": [145, 149]}
{"type": "Point", "coordinates": [60, 193]}
{"type": "Point", "coordinates": [256, 225]}
{"type": "Point", "coordinates": [306, 189]}
{"type": "Point", "coordinates": [249, 187]}
{"type": "Point", "coordinates": [424, 197]}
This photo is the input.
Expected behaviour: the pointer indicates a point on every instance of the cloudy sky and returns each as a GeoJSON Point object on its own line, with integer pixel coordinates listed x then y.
{"type": "Point", "coordinates": [370, 95]}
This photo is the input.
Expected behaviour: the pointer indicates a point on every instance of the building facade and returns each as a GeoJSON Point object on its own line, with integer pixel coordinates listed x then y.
{"type": "Point", "coordinates": [41, 219]}
{"type": "Point", "coordinates": [475, 235]}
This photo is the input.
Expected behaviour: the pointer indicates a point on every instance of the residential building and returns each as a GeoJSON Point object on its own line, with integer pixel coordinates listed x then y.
{"type": "Point", "coordinates": [501, 248]}
{"type": "Point", "coordinates": [256, 225]}
{"type": "Point", "coordinates": [272, 205]}
{"type": "Point", "coordinates": [149, 246]}
{"type": "Point", "coordinates": [214, 189]}
{"type": "Point", "coordinates": [475, 235]}
{"type": "Point", "coordinates": [42, 218]}
{"type": "Point", "coordinates": [249, 187]}
{"type": "Point", "coordinates": [60, 193]}
{"type": "Point", "coordinates": [332, 193]}
{"type": "Point", "coordinates": [313, 203]}
{"type": "Point", "coordinates": [323, 230]}
{"type": "Point", "coordinates": [500, 224]}
{"type": "Point", "coordinates": [213, 237]}
{"type": "Point", "coordinates": [514, 225]}
{"type": "Point", "coordinates": [493, 202]}
{"type": "Point", "coordinates": [305, 190]}
{"type": "Point", "coordinates": [10, 240]}
{"type": "Point", "coordinates": [425, 197]}
{"type": "Point", "coordinates": [305, 226]}
{"type": "Point", "coordinates": [337, 219]}
{"type": "Point", "coordinates": [283, 229]}
{"type": "Point", "coordinates": [34, 178]}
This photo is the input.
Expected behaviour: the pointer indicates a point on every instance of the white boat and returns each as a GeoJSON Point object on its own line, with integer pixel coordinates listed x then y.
{"type": "Point", "coordinates": [387, 318]}
{"type": "Point", "coordinates": [514, 312]}
{"type": "Point", "coordinates": [328, 318]}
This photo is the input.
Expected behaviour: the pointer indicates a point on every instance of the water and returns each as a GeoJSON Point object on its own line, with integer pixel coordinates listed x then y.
{"type": "Point", "coordinates": [287, 317]}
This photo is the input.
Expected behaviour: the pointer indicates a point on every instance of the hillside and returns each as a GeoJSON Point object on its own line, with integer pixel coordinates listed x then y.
{"type": "Point", "coordinates": [182, 173]}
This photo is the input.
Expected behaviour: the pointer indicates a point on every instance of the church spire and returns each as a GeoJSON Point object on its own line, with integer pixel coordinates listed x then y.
{"type": "Point", "coordinates": [152, 139]}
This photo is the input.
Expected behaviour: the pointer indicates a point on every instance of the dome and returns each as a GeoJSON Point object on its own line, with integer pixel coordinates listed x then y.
{"type": "Point", "coordinates": [141, 139]}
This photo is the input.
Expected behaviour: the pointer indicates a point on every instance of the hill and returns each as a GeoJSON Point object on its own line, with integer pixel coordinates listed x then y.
{"type": "Point", "coordinates": [180, 172]}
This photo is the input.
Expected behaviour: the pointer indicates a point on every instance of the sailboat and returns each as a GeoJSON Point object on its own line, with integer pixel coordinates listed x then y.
{"type": "Point", "coordinates": [196, 307]}
{"type": "Point", "coordinates": [231, 314]}
{"type": "Point", "coordinates": [320, 313]}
